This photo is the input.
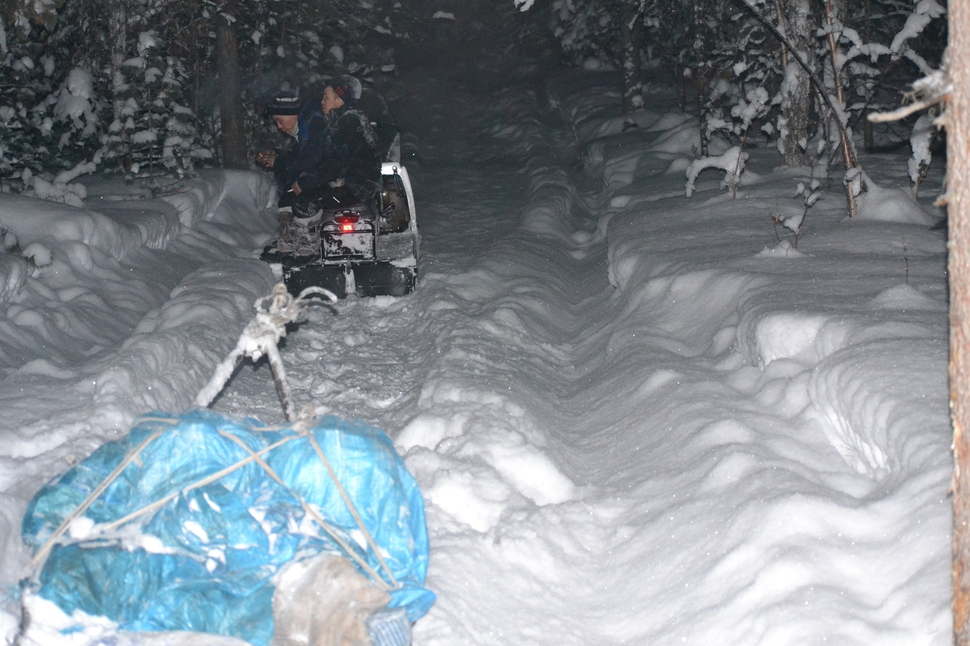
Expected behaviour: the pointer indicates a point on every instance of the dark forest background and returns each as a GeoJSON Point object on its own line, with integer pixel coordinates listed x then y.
{"type": "Point", "coordinates": [164, 87]}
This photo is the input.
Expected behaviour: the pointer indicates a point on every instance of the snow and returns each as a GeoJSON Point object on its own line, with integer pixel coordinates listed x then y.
{"type": "Point", "coordinates": [890, 205]}
{"type": "Point", "coordinates": [919, 141]}
{"type": "Point", "coordinates": [925, 11]}
{"type": "Point", "coordinates": [635, 417]}
{"type": "Point", "coordinates": [731, 162]}
{"type": "Point", "coordinates": [74, 100]}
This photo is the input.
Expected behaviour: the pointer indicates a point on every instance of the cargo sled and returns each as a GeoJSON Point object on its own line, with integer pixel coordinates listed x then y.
{"type": "Point", "coordinates": [199, 522]}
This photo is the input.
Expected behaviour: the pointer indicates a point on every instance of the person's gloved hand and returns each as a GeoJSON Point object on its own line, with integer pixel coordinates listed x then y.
{"type": "Point", "coordinates": [266, 159]}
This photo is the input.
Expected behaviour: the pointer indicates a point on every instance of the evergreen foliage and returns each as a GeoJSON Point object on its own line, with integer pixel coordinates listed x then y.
{"type": "Point", "coordinates": [129, 85]}
{"type": "Point", "coordinates": [740, 59]}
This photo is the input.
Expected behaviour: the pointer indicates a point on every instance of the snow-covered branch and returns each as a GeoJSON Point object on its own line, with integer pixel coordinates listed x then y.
{"type": "Point", "coordinates": [731, 162]}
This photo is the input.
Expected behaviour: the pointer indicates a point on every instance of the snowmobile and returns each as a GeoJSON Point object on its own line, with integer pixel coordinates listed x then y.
{"type": "Point", "coordinates": [366, 249]}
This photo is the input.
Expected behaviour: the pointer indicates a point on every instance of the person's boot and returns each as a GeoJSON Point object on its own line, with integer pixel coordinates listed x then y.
{"type": "Point", "coordinates": [306, 235]}
{"type": "Point", "coordinates": [285, 236]}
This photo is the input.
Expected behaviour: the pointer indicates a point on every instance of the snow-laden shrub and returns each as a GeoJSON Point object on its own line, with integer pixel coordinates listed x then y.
{"type": "Point", "coordinates": [803, 74]}
{"type": "Point", "coordinates": [17, 264]}
{"type": "Point", "coordinates": [14, 268]}
{"type": "Point", "coordinates": [158, 113]}
{"type": "Point", "coordinates": [44, 130]}
{"type": "Point", "coordinates": [76, 102]}
{"type": "Point", "coordinates": [24, 118]}
{"type": "Point", "coordinates": [731, 162]}
{"type": "Point", "coordinates": [61, 188]}
{"type": "Point", "coordinates": [920, 140]}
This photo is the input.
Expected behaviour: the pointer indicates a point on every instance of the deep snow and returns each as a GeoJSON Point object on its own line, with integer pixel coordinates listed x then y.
{"type": "Point", "coordinates": [635, 417]}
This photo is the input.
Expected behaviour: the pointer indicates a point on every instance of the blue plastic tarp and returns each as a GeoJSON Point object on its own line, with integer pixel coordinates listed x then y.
{"type": "Point", "coordinates": [203, 561]}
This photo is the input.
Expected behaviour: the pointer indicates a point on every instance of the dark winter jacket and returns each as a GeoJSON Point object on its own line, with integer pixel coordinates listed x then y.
{"type": "Point", "coordinates": [348, 148]}
{"type": "Point", "coordinates": [304, 154]}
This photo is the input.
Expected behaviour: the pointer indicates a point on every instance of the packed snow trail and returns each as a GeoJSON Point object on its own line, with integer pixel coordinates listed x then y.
{"type": "Point", "coordinates": [641, 419]}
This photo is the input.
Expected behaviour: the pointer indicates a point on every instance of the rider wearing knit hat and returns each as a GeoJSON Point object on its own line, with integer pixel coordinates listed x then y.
{"type": "Point", "coordinates": [283, 104]}
{"type": "Point", "coordinates": [347, 87]}
{"type": "Point", "coordinates": [350, 167]}
{"type": "Point", "coordinates": [299, 119]}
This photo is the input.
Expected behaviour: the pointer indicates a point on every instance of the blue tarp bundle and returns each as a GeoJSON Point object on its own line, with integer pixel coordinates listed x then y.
{"type": "Point", "coordinates": [203, 561]}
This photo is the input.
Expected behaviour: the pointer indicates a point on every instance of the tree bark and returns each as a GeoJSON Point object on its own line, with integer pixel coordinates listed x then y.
{"type": "Point", "coordinates": [796, 101]}
{"type": "Point", "coordinates": [630, 56]}
{"type": "Point", "coordinates": [958, 216]}
{"type": "Point", "coordinates": [120, 147]}
{"type": "Point", "coordinates": [701, 73]}
{"type": "Point", "coordinates": [845, 136]}
{"type": "Point", "coordinates": [230, 96]}
{"type": "Point", "coordinates": [118, 38]}
{"type": "Point", "coordinates": [867, 136]}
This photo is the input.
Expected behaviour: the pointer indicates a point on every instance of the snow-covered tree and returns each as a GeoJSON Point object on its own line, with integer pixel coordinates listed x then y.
{"type": "Point", "coordinates": [154, 129]}
{"type": "Point", "coordinates": [151, 71]}
{"type": "Point", "coordinates": [804, 72]}
{"type": "Point", "coordinates": [48, 112]}
{"type": "Point", "coordinates": [796, 23]}
{"type": "Point", "coordinates": [23, 86]}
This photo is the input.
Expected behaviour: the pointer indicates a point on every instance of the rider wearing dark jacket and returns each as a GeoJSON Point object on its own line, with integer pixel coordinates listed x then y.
{"type": "Point", "coordinates": [302, 121]}
{"type": "Point", "coordinates": [349, 166]}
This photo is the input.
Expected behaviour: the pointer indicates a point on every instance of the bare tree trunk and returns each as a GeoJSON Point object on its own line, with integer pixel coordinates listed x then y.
{"type": "Point", "coordinates": [848, 146]}
{"type": "Point", "coordinates": [701, 73]}
{"type": "Point", "coordinates": [867, 136]}
{"type": "Point", "coordinates": [630, 46]}
{"type": "Point", "coordinates": [958, 214]}
{"type": "Point", "coordinates": [118, 39]}
{"type": "Point", "coordinates": [230, 97]}
{"type": "Point", "coordinates": [117, 11]}
{"type": "Point", "coordinates": [784, 48]}
{"type": "Point", "coordinates": [796, 101]}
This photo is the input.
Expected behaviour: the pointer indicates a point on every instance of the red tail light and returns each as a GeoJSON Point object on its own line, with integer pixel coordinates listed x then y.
{"type": "Point", "coordinates": [346, 221]}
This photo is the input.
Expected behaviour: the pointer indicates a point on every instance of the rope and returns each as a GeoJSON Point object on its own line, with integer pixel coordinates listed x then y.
{"type": "Point", "coordinates": [312, 513]}
{"type": "Point", "coordinates": [104, 529]}
{"type": "Point", "coordinates": [115, 524]}
{"type": "Point", "coordinates": [254, 456]}
{"type": "Point", "coordinates": [350, 506]}
{"type": "Point", "coordinates": [303, 426]}
{"type": "Point", "coordinates": [261, 337]}
{"type": "Point", "coordinates": [83, 507]}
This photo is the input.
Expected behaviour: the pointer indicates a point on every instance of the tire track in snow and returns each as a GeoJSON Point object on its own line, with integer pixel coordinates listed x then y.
{"type": "Point", "coordinates": [471, 372]}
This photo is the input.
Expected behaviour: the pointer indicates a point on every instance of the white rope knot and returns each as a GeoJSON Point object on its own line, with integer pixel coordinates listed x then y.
{"type": "Point", "coordinates": [305, 420]}
{"type": "Point", "coordinates": [261, 336]}
{"type": "Point", "coordinates": [273, 314]}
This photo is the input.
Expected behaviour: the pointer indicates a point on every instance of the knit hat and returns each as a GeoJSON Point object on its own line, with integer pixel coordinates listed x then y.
{"type": "Point", "coordinates": [284, 103]}
{"type": "Point", "coordinates": [346, 87]}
